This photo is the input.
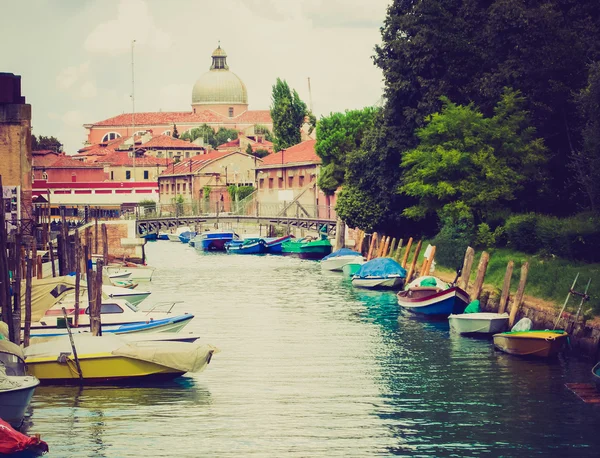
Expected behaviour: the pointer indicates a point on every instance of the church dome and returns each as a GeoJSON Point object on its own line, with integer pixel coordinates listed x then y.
{"type": "Point", "coordinates": [219, 85]}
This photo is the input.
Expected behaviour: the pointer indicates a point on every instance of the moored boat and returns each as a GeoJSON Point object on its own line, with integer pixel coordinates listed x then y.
{"type": "Point", "coordinates": [351, 268]}
{"type": "Point", "coordinates": [540, 344]}
{"type": "Point", "coordinates": [111, 359]}
{"type": "Point", "coordinates": [16, 387]}
{"type": "Point", "coordinates": [133, 296]}
{"type": "Point", "coordinates": [307, 248]}
{"type": "Point", "coordinates": [253, 245]}
{"type": "Point", "coordinates": [430, 296]}
{"type": "Point", "coordinates": [186, 237]}
{"type": "Point", "coordinates": [474, 322]}
{"type": "Point", "coordinates": [380, 273]}
{"type": "Point", "coordinates": [274, 244]}
{"type": "Point", "coordinates": [339, 258]}
{"type": "Point", "coordinates": [174, 236]}
{"type": "Point", "coordinates": [215, 241]}
{"type": "Point", "coordinates": [596, 375]}
{"type": "Point", "coordinates": [136, 272]}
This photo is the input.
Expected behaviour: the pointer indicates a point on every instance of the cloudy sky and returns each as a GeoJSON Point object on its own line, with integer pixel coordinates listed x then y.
{"type": "Point", "coordinates": [75, 56]}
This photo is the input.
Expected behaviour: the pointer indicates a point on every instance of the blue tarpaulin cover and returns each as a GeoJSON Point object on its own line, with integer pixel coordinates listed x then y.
{"type": "Point", "coordinates": [342, 252]}
{"type": "Point", "coordinates": [381, 267]}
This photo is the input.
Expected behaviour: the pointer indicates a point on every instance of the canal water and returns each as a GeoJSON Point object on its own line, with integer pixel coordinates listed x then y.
{"type": "Point", "coordinates": [310, 367]}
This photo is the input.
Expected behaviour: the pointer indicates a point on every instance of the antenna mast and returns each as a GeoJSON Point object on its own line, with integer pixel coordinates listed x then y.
{"type": "Point", "coordinates": [132, 113]}
{"type": "Point", "coordinates": [310, 96]}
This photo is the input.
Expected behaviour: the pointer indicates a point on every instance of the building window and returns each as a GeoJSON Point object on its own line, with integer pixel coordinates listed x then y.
{"type": "Point", "coordinates": [270, 183]}
{"type": "Point", "coordinates": [184, 187]}
{"type": "Point", "coordinates": [167, 132]}
{"type": "Point", "coordinates": [112, 175]}
{"type": "Point", "coordinates": [290, 182]}
{"type": "Point", "coordinates": [187, 154]}
{"type": "Point", "coordinates": [170, 154]}
{"type": "Point", "coordinates": [128, 175]}
{"type": "Point", "coordinates": [146, 175]}
{"type": "Point", "coordinates": [231, 112]}
{"type": "Point", "coordinates": [178, 187]}
{"type": "Point", "coordinates": [280, 182]}
{"type": "Point", "coordinates": [44, 176]}
{"type": "Point", "coordinates": [110, 136]}
{"type": "Point", "coordinates": [301, 181]}
{"type": "Point", "coordinates": [261, 183]}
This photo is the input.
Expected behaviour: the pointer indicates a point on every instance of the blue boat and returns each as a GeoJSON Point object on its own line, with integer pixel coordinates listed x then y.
{"type": "Point", "coordinates": [163, 236]}
{"type": "Point", "coordinates": [432, 297]}
{"type": "Point", "coordinates": [150, 236]}
{"type": "Point", "coordinates": [254, 245]}
{"type": "Point", "coordinates": [186, 236]}
{"type": "Point", "coordinates": [215, 241]}
{"type": "Point", "coordinates": [273, 244]}
{"type": "Point", "coordinates": [380, 273]}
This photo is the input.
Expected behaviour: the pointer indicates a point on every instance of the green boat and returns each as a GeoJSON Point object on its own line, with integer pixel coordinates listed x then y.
{"type": "Point", "coordinates": [307, 248]}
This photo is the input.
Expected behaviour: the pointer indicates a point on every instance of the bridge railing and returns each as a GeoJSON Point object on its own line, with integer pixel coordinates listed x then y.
{"type": "Point", "coordinates": [250, 207]}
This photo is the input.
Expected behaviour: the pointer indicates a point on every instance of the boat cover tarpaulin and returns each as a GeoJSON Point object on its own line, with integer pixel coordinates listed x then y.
{"type": "Point", "coordinates": [6, 346]}
{"type": "Point", "coordinates": [12, 441]}
{"type": "Point", "coordinates": [186, 357]}
{"type": "Point", "coordinates": [3, 330]}
{"type": "Point", "coordinates": [428, 280]}
{"type": "Point", "coordinates": [381, 267]}
{"type": "Point", "coordinates": [46, 292]}
{"type": "Point", "coordinates": [342, 252]}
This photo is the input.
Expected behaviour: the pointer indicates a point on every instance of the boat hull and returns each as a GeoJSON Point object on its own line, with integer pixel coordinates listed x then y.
{"type": "Point", "coordinates": [539, 344]}
{"type": "Point", "coordinates": [14, 402]}
{"type": "Point", "coordinates": [439, 304]}
{"type": "Point", "coordinates": [596, 375]}
{"type": "Point", "coordinates": [336, 264]}
{"type": "Point", "coordinates": [136, 273]}
{"type": "Point", "coordinates": [249, 247]}
{"type": "Point", "coordinates": [478, 323]}
{"type": "Point", "coordinates": [173, 238]}
{"type": "Point", "coordinates": [378, 283]}
{"type": "Point", "coordinates": [275, 245]}
{"type": "Point", "coordinates": [350, 269]}
{"type": "Point", "coordinates": [98, 368]}
{"type": "Point", "coordinates": [170, 325]}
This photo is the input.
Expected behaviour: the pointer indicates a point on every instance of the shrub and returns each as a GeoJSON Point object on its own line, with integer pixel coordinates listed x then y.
{"type": "Point", "coordinates": [520, 231]}
{"type": "Point", "coordinates": [455, 236]}
{"type": "Point", "coordinates": [485, 237]}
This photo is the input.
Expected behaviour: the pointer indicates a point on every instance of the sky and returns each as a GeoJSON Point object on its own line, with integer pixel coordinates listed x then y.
{"type": "Point", "coordinates": [75, 56]}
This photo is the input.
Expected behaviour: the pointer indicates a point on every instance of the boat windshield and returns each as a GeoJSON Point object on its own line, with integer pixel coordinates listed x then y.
{"type": "Point", "coordinates": [131, 306]}
{"type": "Point", "coordinates": [13, 364]}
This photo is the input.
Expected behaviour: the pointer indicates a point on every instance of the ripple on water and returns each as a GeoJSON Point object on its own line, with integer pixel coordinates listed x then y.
{"type": "Point", "coordinates": [310, 366]}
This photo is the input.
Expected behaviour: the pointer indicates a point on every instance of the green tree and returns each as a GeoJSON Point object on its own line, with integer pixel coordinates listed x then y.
{"type": "Point", "coordinates": [45, 143]}
{"type": "Point", "coordinates": [260, 153]}
{"type": "Point", "coordinates": [225, 135]}
{"type": "Point", "coordinates": [586, 160]}
{"type": "Point", "coordinates": [288, 112]}
{"type": "Point", "coordinates": [469, 50]}
{"type": "Point", "coordinates": [337, 136]}
{"type": "Point", "coordinates": [204, 131]}
{"type": "Point", "coordinates": [467, 159]}
{"type": "Point", "coordinates": [249, 149]}
{"type": "Point", "coordinates": [175, 132]}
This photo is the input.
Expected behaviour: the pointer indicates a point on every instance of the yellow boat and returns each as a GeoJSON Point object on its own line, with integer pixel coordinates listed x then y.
{"type": "Point", "coordinates": [112, 359]}
{"type": "Point", "coordinates": [541, 344]}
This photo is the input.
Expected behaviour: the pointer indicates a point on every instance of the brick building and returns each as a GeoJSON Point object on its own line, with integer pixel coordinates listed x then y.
{"type": "Point", "coordinates": [15, 143]}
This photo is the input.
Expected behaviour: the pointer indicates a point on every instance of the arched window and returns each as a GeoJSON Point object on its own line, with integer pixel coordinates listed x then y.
{"type": "Point", "coordinates": [110, 136]}
{"type": "Point", "coordinates": [44, 176]}
{"type": "Point", "coordinates": [167, 132]}
{"type": "Point", "coordinates": [139, 133]}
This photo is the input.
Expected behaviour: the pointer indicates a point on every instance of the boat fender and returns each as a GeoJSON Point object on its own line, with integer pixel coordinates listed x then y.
{"type": "Point", "coordinates": [63, 357]}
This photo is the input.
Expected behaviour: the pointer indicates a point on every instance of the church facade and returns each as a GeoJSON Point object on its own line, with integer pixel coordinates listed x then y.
{"type": "Point", "coordinates": [219, 99]}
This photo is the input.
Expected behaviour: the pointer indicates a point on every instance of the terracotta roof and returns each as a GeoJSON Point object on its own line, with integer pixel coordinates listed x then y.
{"type": "Point", "coordinates": [266, 145]}
{"type": "Point", "coordinates": [122, 158]}
{"type": "Point", "coordinates": [43, 152]}
{"type": "Point", "coordinates": [174, 117]}
{"type": "Point", "coordinates": [198, 162]}
{"type": "Point", "coordinates": [254, 117]}
{"type": "Point", "coordinates": [302, 152]}
{"type": "Point", "coordinates": [51, 162]}
{"type": "Point", "coordinates": [164, 141]}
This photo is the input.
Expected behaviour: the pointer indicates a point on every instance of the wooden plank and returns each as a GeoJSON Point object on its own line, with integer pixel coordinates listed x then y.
{"type": "Point", "coordinates": [406, 253]}
{"type": "Point", "coordinates": [413, 264]}
{"type": "Point", "coordinates": [506, 287]}
{"type": "Point", "coordinates": [481, 270]}
{"type": "Point", "coordinates": [519, 296]}
{"type": "Point", "coordinates": [466, 269]}
{"type": "Point", "coordinates": [372, 246]}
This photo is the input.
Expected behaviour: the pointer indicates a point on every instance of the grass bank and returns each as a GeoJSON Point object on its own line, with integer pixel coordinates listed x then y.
{"type": "Point", "coordinates": [548, 278]}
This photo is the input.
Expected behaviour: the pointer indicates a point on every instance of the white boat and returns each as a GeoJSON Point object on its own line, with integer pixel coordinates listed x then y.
{"type": "Point", "coordinates": [174, 236]}
{"type": "Point", "coordinates": [378, 282]}
{"type": "Point", "coordinates": [50, 295]}
{"type": "Point", "coordinates": [351, 268]}
{"type": "Point", "coordinates": [139, 273]}
{"type": "Point", "coordinates": [478, 323]}
{"type": "Point", "coordinates": [338, 259]}
{"type": "Point", "coordinates": [132, 296]}
{"type": "Point", "coordinates": [16, 387]}
{"type": "Point", "coordinates": [119, 276]}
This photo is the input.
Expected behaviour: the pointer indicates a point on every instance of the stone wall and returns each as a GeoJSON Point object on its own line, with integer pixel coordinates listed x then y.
{"type": "Point", "coordinates": [123, 243]}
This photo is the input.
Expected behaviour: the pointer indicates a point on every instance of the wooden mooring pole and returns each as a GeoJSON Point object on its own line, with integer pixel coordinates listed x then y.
{"type": "Point", "coordinates": [413, 264]}
{"type": "Point", "coordinates": [28, 277]}
{"type": "Point", "coordinates": [466, 268]}
{"type": "Point", "coordinates": [520, 293]}
{"type": "Point", "coordinates": [481, 270]}
{"type": "Point", "coordinates": [95, 316]}
{"type": "Point", "coordinates": [506, 287]}
{"type": "Point", "coordinates": [406, 253]}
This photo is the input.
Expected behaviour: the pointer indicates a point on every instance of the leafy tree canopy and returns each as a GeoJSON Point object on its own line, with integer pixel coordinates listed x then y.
{"type": "Point", "coordinates": [473, 161]}
{"type": "Point", "coordinates": [208, 134]}
{"type": "Point", "coordinates": [45, 143]}
{"type": "Point", "coordinates": [337, 135]}
{"type": "Point", "coordinates": [288, 112]}
{"type": "Point", "coordinates": [175, 132]}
